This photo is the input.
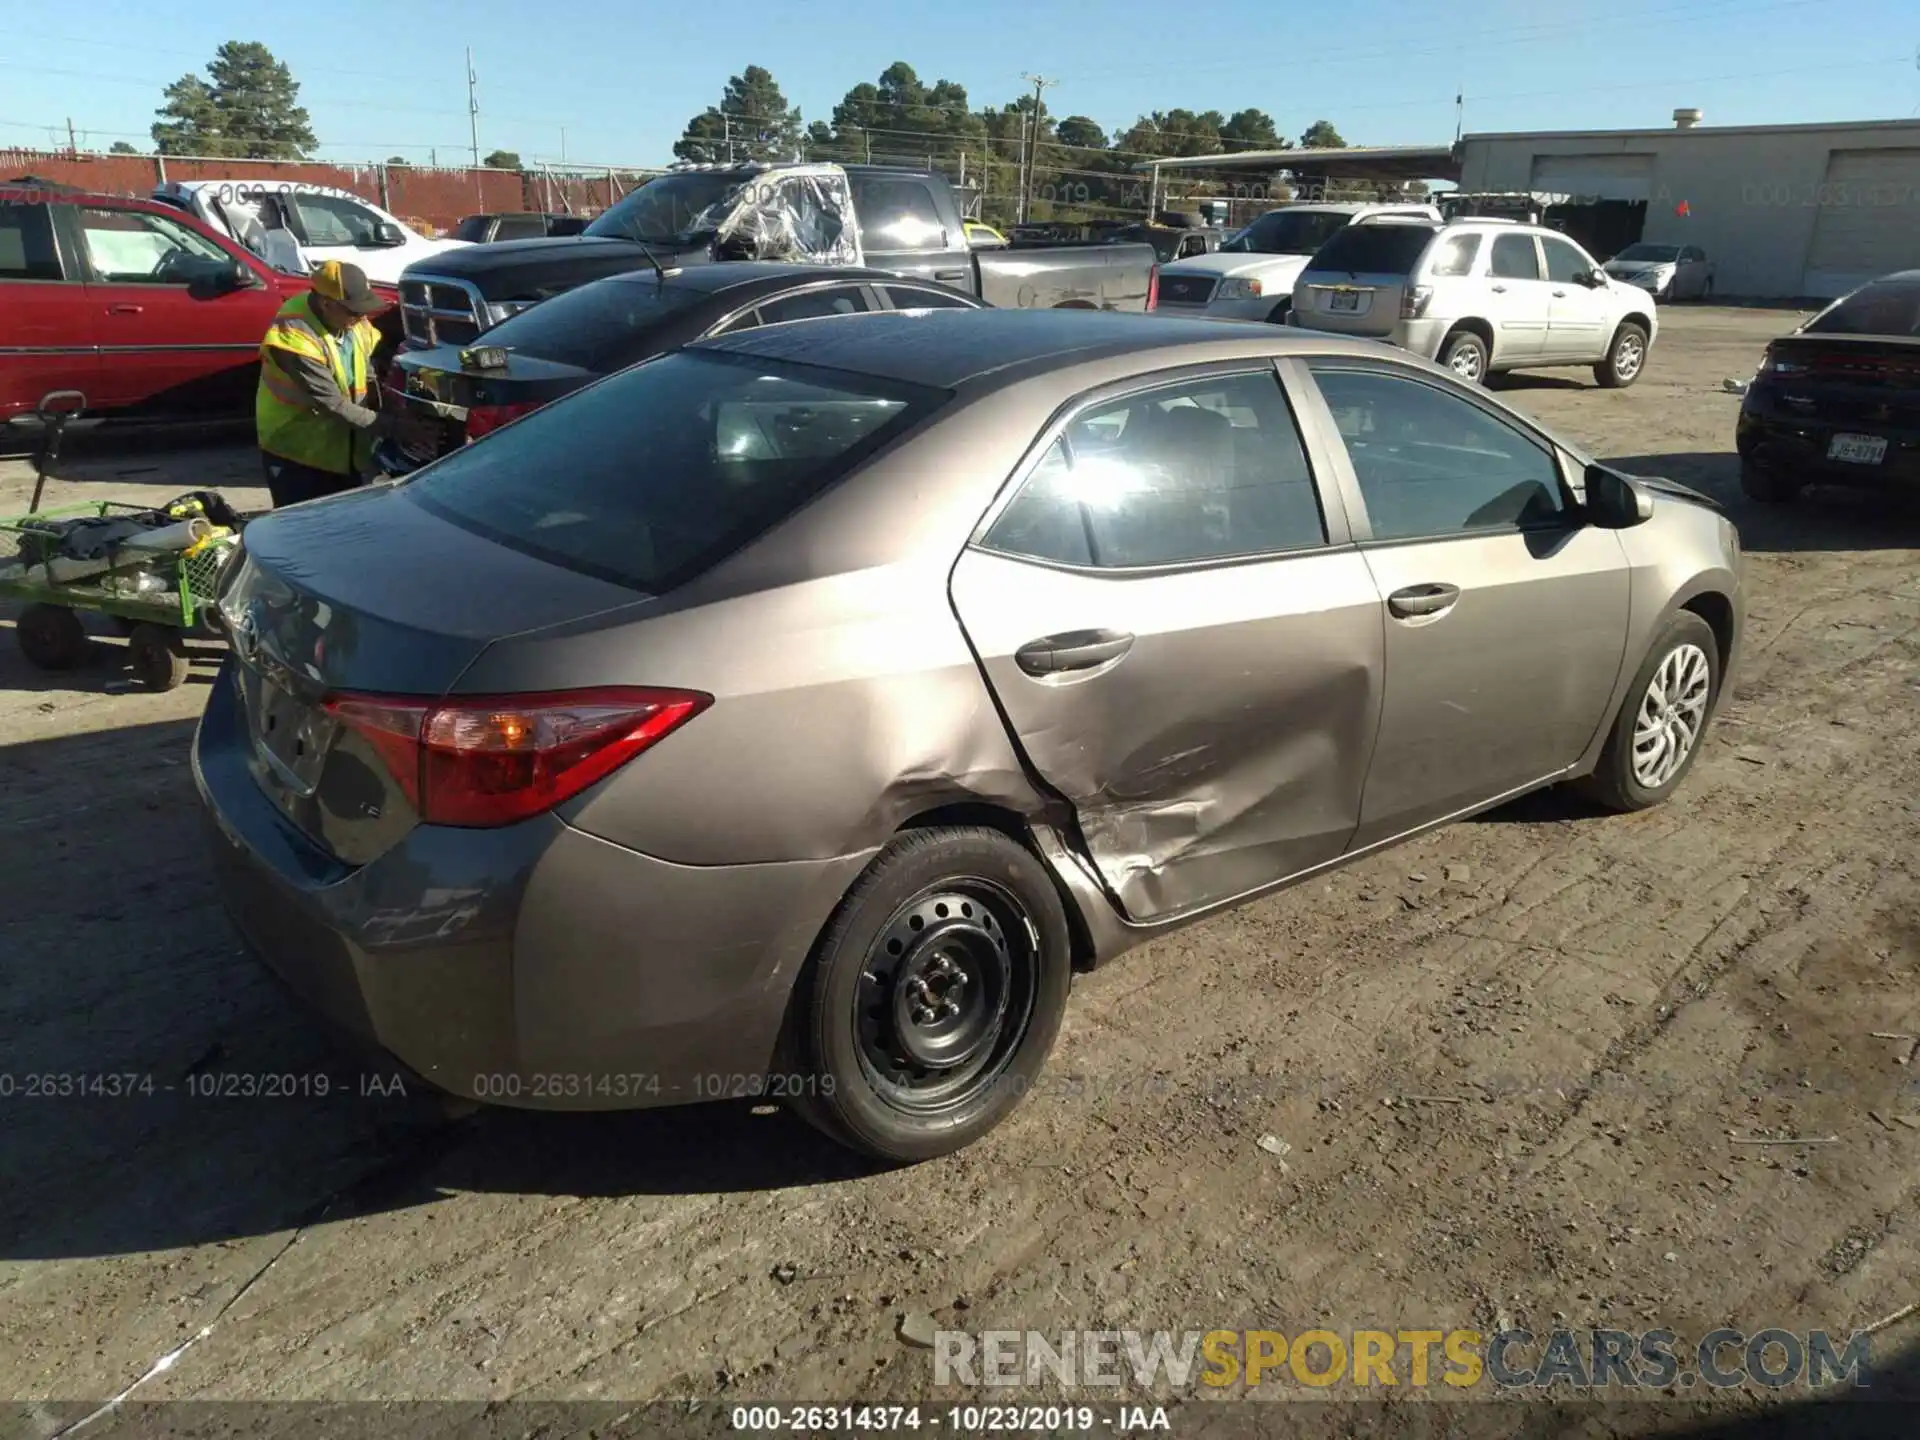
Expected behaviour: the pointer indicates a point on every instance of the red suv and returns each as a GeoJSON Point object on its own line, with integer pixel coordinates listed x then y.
{"type": "Point", "coordinates": [142, 309]}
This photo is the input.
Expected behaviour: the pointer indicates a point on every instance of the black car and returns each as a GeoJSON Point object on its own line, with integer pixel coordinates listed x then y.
{"type": "Point", "coordinates": [582, 334]}
{"type": "Point", "coordinates": [1837, 402]}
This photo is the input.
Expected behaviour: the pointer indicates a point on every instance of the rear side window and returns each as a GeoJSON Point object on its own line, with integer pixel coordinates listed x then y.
{"type": "Point", "coordinates": [1377, 249]}
{"type": "Point", "coordinates": [26, 244]}
{"type": "Point", "coordinates": [1203, 470]}
{"type": "Point", "coordinates": [651, 477]}
{"type": "Point", "coordinates": [521, 227]}
{"type": "Point", "coordinates": [1514, 258]}
{"type": "Point", "coordinates": [813, 304]}
{"type": "Point", "coordinates": [1454, 256]}
{"type": "Point", "coordinates": [896, 214]}
{"type": "Point", "coordinates": [473, 228]}
{"type": "Point", "coordinates": [906, 297]}
{"type": "Point", "coordinates": [1886, 307]}
{"type": "Point", "coordinates": [593, 326]}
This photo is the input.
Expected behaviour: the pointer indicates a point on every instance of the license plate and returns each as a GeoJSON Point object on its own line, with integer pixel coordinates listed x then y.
{"type": "Point", "coordinates": [1857, 449]}
{"type": "Point", "coordinates": [1344, 300]}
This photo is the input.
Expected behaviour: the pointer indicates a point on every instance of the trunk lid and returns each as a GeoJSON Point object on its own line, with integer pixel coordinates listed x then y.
{"type": "Point", "coordinates": [1847, 379]}
{"type": "Point", "coordinates": [433, 383]}
{"type": "Point", "coordinates": [369, 593]}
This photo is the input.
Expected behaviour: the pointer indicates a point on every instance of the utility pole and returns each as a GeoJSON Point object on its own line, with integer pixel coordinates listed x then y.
{"type": "Point", "coordinates": [1030, 152]}
{"type": "Point", "coordinates": [473, 108]}
{"type": "Point", "coordinates": [72, 147]}
{"type": "Point", "coordinates": [563, 147]}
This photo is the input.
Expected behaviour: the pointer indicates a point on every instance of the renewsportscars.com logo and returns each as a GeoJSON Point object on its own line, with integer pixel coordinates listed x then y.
{"type": "Point", "coordinates": [1417, 1359]}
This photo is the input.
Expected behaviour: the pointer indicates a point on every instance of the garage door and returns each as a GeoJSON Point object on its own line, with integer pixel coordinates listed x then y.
{"type": "Point", "coordinates": [1867, 224]}
{"type": "Point", "coordinates": [1595, 177]}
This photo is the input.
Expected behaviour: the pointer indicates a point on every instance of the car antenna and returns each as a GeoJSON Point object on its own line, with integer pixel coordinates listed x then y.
{"type": "Point", "coordinates": [659, 275]}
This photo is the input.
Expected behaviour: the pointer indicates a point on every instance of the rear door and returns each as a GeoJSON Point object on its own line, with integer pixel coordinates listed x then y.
{"type": "Point", "coordinates": [902, 230]}
{"type": "Point", "coordinates": [1185, 645]}
{"type": "Point", "coordinates": [1578, 325]}
{"type": "Point", "coordinates": [47, 339]}
{"type": "Point", "coordinates": [168, 341]}
{"type": "Point", "coordinates": [1505, 614]}
{"type": "Point", "coordinates": [1519, 300]}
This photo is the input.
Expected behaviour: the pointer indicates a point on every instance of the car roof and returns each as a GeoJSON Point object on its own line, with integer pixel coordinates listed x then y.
{"type": "Point", "coordinates": [948, 349]}
{"type": "Point", "coordinates": [33, 191]}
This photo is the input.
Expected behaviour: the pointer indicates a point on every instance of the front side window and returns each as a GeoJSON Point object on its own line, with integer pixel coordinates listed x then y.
{"type": "Point", "coordinates": [1564, 262]}
{"type": "Point", "coordinates": [1202, 470]}
{"type": "Point", "coordinates": [651, 476]}
{"type": "Point", "coordinates": [897, 215]}
{"type": "Point", "coordinates": [135, 248]}
{"type": "Point", "coordinates": [1514, 258]}
{"type": "Point", "coordinates": [330, 220]}
{"type": "Point", "coordinates": [1431, 464]}
{"type": "Point", "coordinates": [906, 297]}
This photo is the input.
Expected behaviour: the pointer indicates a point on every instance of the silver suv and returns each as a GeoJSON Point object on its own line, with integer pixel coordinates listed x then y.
{"type": "Point", "coordinates": [1478, 296]}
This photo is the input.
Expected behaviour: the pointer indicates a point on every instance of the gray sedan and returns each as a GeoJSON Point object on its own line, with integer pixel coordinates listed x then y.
{"type": "Point", "coordinates": [791, 716]}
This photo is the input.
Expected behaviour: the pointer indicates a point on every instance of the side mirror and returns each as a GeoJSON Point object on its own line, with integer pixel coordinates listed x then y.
{"type": "Point", "coordinates": [219, 280]}
{"type": "Point", "coordinates": [385, 232]}
{"type": "Point", "coordinates": [1616, 501]}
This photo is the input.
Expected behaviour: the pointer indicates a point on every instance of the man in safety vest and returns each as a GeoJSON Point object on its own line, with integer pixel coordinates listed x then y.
{"type": "Point", "coordinates": [315, 428]}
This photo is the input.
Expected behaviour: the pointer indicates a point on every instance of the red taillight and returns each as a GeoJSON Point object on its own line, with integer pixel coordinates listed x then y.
{"type": "Point", "coordinates": [479, 761]}
{"type": "Point", "coordinates": [484, 419]}
{"type": "Point", "coordinates": [1153, 288]}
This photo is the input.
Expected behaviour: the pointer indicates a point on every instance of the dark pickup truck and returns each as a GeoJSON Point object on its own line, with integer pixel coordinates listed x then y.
{"type": "Point", "coordinates": [886, 218]}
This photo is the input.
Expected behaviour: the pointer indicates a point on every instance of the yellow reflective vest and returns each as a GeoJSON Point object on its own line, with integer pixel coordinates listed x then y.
{"type": "Point", "coordinates": [285, 423]}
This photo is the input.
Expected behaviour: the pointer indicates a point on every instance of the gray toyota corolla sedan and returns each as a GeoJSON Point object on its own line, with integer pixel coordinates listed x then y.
{"type": "Point", "coordinates": [790, 716]}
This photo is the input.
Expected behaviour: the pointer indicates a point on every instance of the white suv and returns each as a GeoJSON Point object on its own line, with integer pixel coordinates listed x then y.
{"type": "Point", "coordinates": [1478, 296]}
{"type": "Point", "coordinates": [1251, 276]}
{"type": "Point", "coordinates": [295, 226]}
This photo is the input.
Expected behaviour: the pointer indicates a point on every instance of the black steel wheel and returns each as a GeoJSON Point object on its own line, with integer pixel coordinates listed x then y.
{"type": "Point", "coordinates": [158, 655]}
{"type": "Point", "coordinates": [52, 637]}
{"type": "Point", "coordinates": [936, 993]}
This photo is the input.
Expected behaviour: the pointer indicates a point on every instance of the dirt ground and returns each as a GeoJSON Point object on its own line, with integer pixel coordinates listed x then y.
{"type": "Point", "coordinates": [1590, 1010]}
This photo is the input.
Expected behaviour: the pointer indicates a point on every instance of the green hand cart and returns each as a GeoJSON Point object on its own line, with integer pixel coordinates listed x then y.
{"type": "Point", "coordinates": [158, 597]}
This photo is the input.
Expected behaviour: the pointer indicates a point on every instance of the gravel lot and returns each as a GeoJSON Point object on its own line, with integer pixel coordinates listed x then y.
{"type": "Point", "coordinates": [1594, 1008]}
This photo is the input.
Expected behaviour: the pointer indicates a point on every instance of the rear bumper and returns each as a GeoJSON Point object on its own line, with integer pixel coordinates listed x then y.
{"type": "Point", "coordinates": [1257, 308]}
{"type": "Point", "coordinates": [533, 966]}
{"type": "Point", "coordinates": [1797, 445]}
{"type": "Point", "coordinates": [1419, 337]}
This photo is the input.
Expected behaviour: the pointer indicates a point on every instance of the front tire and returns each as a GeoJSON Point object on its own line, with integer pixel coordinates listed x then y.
{"type": "Point", "coordinates": [934, 995]}
{"type": "Point", "coordinates": [1663, 722]}
{"type": "Point", "coordinates": [1626, 358]}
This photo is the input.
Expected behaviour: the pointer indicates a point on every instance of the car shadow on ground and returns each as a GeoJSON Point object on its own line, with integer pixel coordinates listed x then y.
{"type": "Point", "coordinates": [1824, 517]}
{"type": "Point", "coordinates": [160, 1089]}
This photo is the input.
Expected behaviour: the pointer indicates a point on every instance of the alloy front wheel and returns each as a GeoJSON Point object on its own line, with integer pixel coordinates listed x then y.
{"type": "Point", "coordinates": [1657, 734]}
{"type": "Point", "coordinates": [1673, 710]}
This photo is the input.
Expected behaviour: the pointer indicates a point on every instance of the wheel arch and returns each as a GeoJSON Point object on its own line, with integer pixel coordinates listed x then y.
{"type": "Point", "coordinates": [1472, 325]}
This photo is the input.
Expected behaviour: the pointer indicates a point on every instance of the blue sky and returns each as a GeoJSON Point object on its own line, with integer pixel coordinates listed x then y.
{"type": "Point", "coordinates": [382, 79]}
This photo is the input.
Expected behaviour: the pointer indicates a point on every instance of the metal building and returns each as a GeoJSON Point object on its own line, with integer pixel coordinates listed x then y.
{"type": "Point", "coordinates": [1782, 210]}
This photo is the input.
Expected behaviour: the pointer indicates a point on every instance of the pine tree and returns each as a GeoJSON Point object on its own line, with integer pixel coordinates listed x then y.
{"type": "Point", "coordinates": [247, 107]}
{"type": "Point", "coordinates": [752, 122]}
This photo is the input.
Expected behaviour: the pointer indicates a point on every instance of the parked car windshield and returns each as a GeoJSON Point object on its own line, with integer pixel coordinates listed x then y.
{"type": "Point", "coordinates": [1387, 249]}
{"type": "Point", "coordinates": [591, 326]}
{"type": "Point", "coordinates": [1651, 254]}
{"type": "Point", "coordinates": [1289, 232]}
{"type": "Point", "coordinates": [1886, 307]}
{"type": "Point", "coordinates": [664, 211]}
{"type": "Point", "coordinates": [653, 475]}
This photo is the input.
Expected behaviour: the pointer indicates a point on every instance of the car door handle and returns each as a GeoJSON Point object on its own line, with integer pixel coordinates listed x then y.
{"type": "Point", "coordinates": [1422, 600]}
{"type": "Point", "coordinates": [1498, 289]}
{"type": "Point", "coordinates": [1560, 293]}
{"type": "Point", "coordinates": [1072, 650]}
{"type": "Point", "coordinates": [949, 274]}
{"type": "Point", "coordinates": [127, 310]}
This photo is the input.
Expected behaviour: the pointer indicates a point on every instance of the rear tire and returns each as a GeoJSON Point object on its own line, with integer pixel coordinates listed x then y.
{"type": "Point", "coordinates": [1626, 358]}
{"type": "Point", "coordinates": [933, 996]}
{"type": "Point", "coordinates": [52, 637]}
{"type": "Point", "coordinates": [158, 655]}
{"type": "Point", "coordinates": [1767, 487]}
{"type": "Point", "coordinates": [1465, 353]}
{"type": "Point", "coordinates": [1666, 714]}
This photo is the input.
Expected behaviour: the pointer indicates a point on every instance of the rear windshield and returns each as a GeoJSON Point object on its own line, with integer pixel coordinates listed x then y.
{"type": "Point", "coordinates": [1375, 249]}
{"type": "Point", "coordinates": [654, 475]}
{"type": "Point", "coordinates": [593, 325]}
{"type": "Point", "coordinates": [1886, 307]}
